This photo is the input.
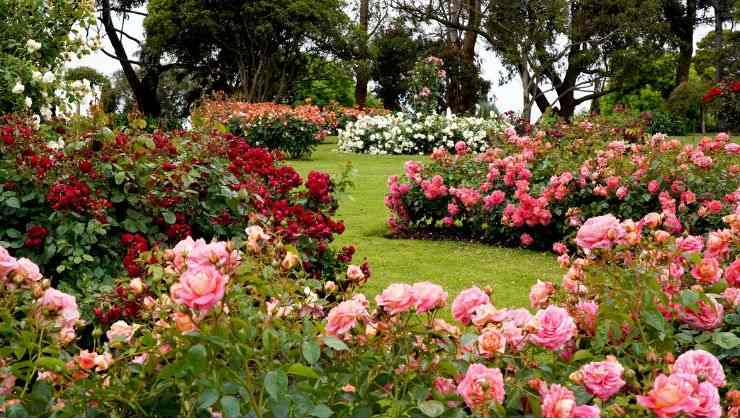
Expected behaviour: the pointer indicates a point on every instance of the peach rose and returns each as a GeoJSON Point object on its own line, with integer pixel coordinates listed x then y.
{"type": "Point", "coordinates": [491, 342]}
{"type": "Point", "coordinates": [7, 263]}
{"type": "Point", "coordinates": [560, 402]}
{"type": "Point", "coordinates": [540, 293]}
{"type": "Point", "coordinates": [27, 270]}
{"type": "Point", "coordinates": [671, 395]}
{"type": "Point", "coordinates": [121, 331]}
{"type": "Point", "coordinates": [707, 271]}
{"type": "Point", "coordinates": [86, 359]}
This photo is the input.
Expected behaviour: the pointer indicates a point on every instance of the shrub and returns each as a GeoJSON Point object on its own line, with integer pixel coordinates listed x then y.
{"type": "Point", "coordinates": [294, 137]}
{"type": "Point", "coordinates": [402, 133]}
{"type": "Point", "coordinates": [534, 191]}
{"type": "Point", "coordinates": [238, 329]}
{"type": "Point", "coordinates": [665, 122]}
{"type": "Point", "coordinates": [81, 199]}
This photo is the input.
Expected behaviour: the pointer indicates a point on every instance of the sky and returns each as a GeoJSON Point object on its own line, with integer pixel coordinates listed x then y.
{"type": "Point", "coordinates": [507, 97]}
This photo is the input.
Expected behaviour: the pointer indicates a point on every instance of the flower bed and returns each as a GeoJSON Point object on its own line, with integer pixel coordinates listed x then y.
{"type": "Point", "coordinates": [644, 323]}
{"type": "Point", "coordinates": [80, 200]}
{"type": "Point", "coordinates": [534, 191]}
{"type": "Point", "coordinates": [403, 133]}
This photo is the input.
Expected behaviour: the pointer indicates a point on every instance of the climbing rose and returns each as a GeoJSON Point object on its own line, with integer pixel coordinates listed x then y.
{"type": "Point", "coordinates": [703, 364]}
{"type": "Point", "coordinates": [603, 379]}
{"type": "Point", "coordinates": [599, 232]}
{"type": "Point", "coordinates": [466, 302]}
{"type": "Point", "coordinates": [671, 395]}
{"type": "Point", "coordinates": [481, 385]}
{"type": "Point", "coordinates": [200, 288]}
{"type": "Point", "coordinates": [429, 296]}
{"type": "Point", "coordinates": [396, 298]}
{"type": "Point", "coordinates": [555, 327]}
{"type": "Point", "coordinates": [344, 316]}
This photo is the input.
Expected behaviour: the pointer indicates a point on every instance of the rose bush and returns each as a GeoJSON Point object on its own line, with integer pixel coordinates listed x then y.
{"type": "Point", "coordinates": [536, 191]}
{"type": "Point", "coordinates": [404, 133]}
{"type": "Point", "coordinates": [81, 199]}
{"type": "Point", "coordinates": [228, 328]}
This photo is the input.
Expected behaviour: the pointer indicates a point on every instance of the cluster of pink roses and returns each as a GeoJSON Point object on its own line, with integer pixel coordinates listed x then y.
{"type": "Point", "coordinates": [205, 269]}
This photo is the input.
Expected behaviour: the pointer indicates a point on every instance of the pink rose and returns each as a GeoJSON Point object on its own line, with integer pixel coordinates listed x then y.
{"type": "Point", "coordinates": [120, 331]}
{"type": "Point", "coordinates": [706, 318]}
{"type": "Point", "coordinates": [703, 364]}
{"type": "Point", "coordinates": [559, 248]}
{"type": "Point", "coordinates": [526, 239]}
{"type": "Point", "coordinates": [181, 251]}
{"type": "Point", "coordinates": [64, 305]}
{"type": "Point", "coordinates": [653, 186]}
{"type": "Point", "coordinates": [732, 273]}
{"type": "Point", "coordinates": [344, 317]}
{"type": "Point", "coordinates": [7, 263]}
{"type": "Point", "coordinates": [671, 395]}
{"type": "Point", "coordinates": [586, 313]}
{"type": "Point", "coordinates": [444, 386]}
{"type": "Point", "coordinates": [732, 296]}
{"type": "Point", "coordinates": [413, 170]}
{"type": "Point", "coordinates": [103, 361]}
{"type": "Point", "coordinates": [396, 298]}
{"type": "Point", "coordinates": [555, 327]}
{"type": "Point", "coordinates": [215, 253]}
{"type": "Point", "coordinates": [481, 385]}
{"type": "Point", "coordinates": [429, 296]}
{"type": "Point", "coordinates": [27, 270]}
{"type": "Point", "coordinates": [707, 271]}
{"type": "Point", "coordinates": [603, 379]}
{"type": "Point", "coordinates": [200, 289]}
{"type": "Point", "coordinates": [86, 359]}
{"type": "Point", "coordinates": [709, 403]}
{"type": "Point", "coordinates": [491, 342]}
{"type": "Point", "coordinates": [540, 293]}
{"type": "Point", "coordinates": [599, 232]}
{"type": "Point", "coordinates": [483, 314]}
{"type": "Point", "coordinates": [355, 274]}
{"type": "Point", "coordinates": [494, 199]}
{"type": "Point", "coordinates": [690, 243]}
{"type": "Point", "coordinates": [560, 402]}
{"type": "Point", "coordinates": [466, 302]}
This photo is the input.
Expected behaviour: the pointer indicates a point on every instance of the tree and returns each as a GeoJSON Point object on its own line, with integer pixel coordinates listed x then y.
{"type": "Point", "coordinates": [256, 49]}
{"type": "Point", "coordinates": [395, 52]}
{"type": "Point", "coordinates": [727, 56]}
{"type": "Point", "coordinates": [682, 20]}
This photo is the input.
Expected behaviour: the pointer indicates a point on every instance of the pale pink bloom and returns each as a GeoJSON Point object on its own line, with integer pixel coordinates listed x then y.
{"type": "Point", "coordinates": [540, 293]}
{"type": "Point", "coordinates": [7, 263]}
{"type": "Point", "coordinates": [444, 386]}
{"type": "Point", "coordinates": [514, 334]}
{"type": "Point", "coordinates": [690, 243]}
{"type": "Point", "coordinates": [603, 379]}
{"type": "Point", "coordinates": [555, 327]}
{"type": "Point", "coordinates": [200, 289]}
{"type": "Point", "coordinates": [120, 331]}
{"type": "Point", "coordinates": [348, 388]}
{"type": "Point", "coordinates": [481, 386]}
{"type": "Point", "coordinates": [599, 232]}
{"type": "Point", "coordinates": [732, 273]}
{"type": "Point", "coordinates": [709, 402]}
{"type": "Point", "coordinates": [732, 296]}
{"type": "Point", "coordinates": [560, 402]}
{"type": "Point", "coordinates": [464, 305]}
{"type": "Point", "coordinates": [622, 192]}
{"type": "Point", "coordinates": [671, 395]}
{"type": "Point", "coordinates": [27, 270]}
{"type": "Point", "coordinates": [181, 251]}
{"type": "Point", "coordinates": [396, 298]}
{"type": "Point", "coordinates": [214, 253]}
{"type": "Point", "coordinates": [355, 274]}
{"type": "Point", "coordinates": [586, 313]}
{"type": "Point", "coordinates": [344, 317]}
{"type": "Point", "coordinates": [103, 361]}
{"type": "Point", "coordinates": [361, 299]}
{"type": "Point", "coordinates": [64, 305]}
{"type": "Point", "coordinates": [484, 314]}
{"type": "Point", "coordinates": [429, 296]}
{"type": "Point", "coordinates": [703, 364]}
{"type": "Point", "coordinates": [491, 342]}
{"type": "Point", "coordinates": [706, 318]}
{"type": "Point", "coordinates": [140, 359]}
{"type": "Point", "coordinates": [256, 237]}
{"type": "Point", "coordinates": [707, 271]}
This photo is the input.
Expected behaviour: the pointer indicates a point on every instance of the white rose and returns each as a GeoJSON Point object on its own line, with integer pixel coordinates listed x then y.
{"type": "Point", "coordinates": [28, 102]}
{"type": "Point", "coordinates": [18, 88]}
{"type": "Point", "coordinates": [32, 46]}
{"type": "Point", "coordinates": [49, 77]}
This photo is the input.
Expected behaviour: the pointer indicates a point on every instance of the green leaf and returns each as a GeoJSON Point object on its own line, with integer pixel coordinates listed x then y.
{"type": "Point", "coordinates": [169, 217]}
{"type": "Point", "coordinates": [654, 319]}
{"type": "Point", "coordinates": [299, 369]}
{"type": "Point", "coordinates": [311, 351]}
{"type": "Point", "coordinates": [230, 406]}
{"type": "Point", "coordinates": [276, 384]}
{"type": "Point", "coordinates": [13, 202]}
{"type": "Point", "coordinates": [13, 233]}
{"type": "Point", "coordinates": [321, 410]}
{"type": "Point", "coordinates": [207, 398]}
{"type": "Point", "coordinates": [335, 343]}
{"type": "Point", "coordinates": [119, 177]}
{"type": "Point", "coordinates": [726, 340]}
{"type": "Point", "coordinates": [431, 408]}
{"type": "Point", "coordinates": [197, 356]}
{"type": "Point", "coordinates": [581, 355]}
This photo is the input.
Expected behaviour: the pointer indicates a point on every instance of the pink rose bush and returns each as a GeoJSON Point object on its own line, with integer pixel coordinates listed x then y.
{"type": "Point", "coordinates": [510, 192]}
{"type": "Point", "coordinates": [481, 387]}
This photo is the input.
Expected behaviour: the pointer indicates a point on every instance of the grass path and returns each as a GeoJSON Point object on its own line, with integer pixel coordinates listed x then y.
{"type": "Point", "coordinates": [453, 264]}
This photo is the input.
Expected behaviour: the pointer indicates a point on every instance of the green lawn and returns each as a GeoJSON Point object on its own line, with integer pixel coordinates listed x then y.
{"type": "Point", "coordinates": [454, 265]}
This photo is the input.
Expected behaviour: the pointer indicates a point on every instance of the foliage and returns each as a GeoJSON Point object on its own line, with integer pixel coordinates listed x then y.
{"type": "Point", "coordinates": [326, 82]}
{"type": "Point", "coordinates": [707, 55]}
{"type": "Point", "coordinates": [428, 84]}
{"type": "Point", "coordinates": [396, 53]}
{"type": "Point", "coordinates": [295, 137]}
{"type": "Point", "coordinates": [404, 133]}
{"type": "Point", "coordinates": [533, 191]}
{"type": "Point", "coordinates": [665, 122]}
{"type": "Point", "coordinates": [80, 199]}
{"type": "Point", "coordinates": [36, 38]}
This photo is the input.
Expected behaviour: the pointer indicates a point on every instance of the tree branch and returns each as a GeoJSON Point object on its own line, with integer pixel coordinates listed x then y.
{"type": "Point", "coordinates": [113, 56]}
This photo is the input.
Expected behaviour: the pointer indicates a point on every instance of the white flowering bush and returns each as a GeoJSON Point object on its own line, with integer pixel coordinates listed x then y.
{"type": "Point", "coordinates": [36, 39]}
{"type": "Point", "coordinates": [404, 133]}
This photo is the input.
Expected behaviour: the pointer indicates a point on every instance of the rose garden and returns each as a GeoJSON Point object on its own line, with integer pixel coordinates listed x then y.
{"type": "Point", "coordinates": [306, 258]}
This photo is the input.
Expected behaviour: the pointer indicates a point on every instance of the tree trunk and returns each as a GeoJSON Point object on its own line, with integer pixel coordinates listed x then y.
{"type": "Point", "coordinates": [524, 76]}
{"type": "Point", "coordinates": [596, 102]}
{"type": "Point", "coordinates": [718, 20]}
{"type": "Point", "coordinates": [361, 69]}
{"type": "Point", "coordinates": [686, 43]}
{"type": "Point", "coordinates": [145, 92]}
